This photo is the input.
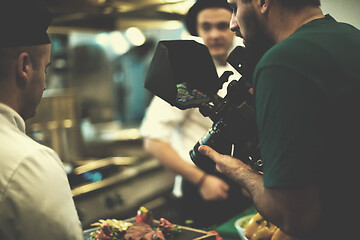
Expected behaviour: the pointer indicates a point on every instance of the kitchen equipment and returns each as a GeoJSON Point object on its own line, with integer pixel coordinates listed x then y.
{"type": "Point", "coordinates": [115, 187]}
{"type": "Point", "coordinates": [56, 124]}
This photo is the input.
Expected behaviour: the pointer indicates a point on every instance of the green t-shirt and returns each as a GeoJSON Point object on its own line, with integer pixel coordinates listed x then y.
{"type": "Point", "coordinates": [307, 98]}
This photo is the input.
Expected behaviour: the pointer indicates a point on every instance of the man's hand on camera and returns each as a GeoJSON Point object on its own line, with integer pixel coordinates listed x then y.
{"type": "Point", "coordinates": [225, 164]}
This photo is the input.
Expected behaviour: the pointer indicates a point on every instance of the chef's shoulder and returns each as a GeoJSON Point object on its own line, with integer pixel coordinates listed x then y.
{"type": "Point", "coordinates": [21, 147]}
{"type": "Point", "coordinates": [34, 191]}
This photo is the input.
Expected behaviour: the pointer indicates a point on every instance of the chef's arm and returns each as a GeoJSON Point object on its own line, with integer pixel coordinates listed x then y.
{"type": "Point", "coordinates": [295, 210]}
{"type": "Point", "coordinates": [170, 158]}
{"type": "Point", "coordinates": [210, 187]}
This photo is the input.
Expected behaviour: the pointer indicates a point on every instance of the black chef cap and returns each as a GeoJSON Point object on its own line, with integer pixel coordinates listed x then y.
{"type": "Point", "coordinates": [23, 23]}
{"type": "Point", "coordinates": [191, 16]}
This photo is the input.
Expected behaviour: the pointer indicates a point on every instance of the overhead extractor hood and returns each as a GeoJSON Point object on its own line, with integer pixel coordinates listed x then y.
{"type": "Point", "coordinates": [109, 15]}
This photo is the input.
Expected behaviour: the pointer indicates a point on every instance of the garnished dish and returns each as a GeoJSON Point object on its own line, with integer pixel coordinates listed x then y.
{"type": "Point", "coordinates": [255, 227]}
{"type": "Point", "coordinates": [142, 227]}
{"type": "Point", "coordinates": [111, 229]}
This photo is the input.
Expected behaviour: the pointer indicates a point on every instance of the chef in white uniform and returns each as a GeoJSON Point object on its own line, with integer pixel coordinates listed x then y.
{"type": "Point", "coordinates": [35, 196]}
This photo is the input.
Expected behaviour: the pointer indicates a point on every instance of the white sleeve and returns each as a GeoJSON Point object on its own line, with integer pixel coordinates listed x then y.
{"type": "Point", "coordinates": [161, 119]}
{"type": "Point", "coordinates": [38, 202]}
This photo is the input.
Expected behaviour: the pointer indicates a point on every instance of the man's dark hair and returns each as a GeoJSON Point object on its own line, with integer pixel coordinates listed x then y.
{"type": "Point", "coordinates": [295, 4]}
{"type": "Point", "coordinates": [298, 4]}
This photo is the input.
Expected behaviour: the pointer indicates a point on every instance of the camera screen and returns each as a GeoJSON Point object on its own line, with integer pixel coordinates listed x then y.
{"type": "Point", "coordinates": [187, 96]}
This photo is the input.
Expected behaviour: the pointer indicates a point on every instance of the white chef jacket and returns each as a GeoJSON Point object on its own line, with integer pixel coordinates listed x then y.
{"type": "Point", "coordinates": [35, 196]}
{"type": "Point", "coordinates": [181, 128]}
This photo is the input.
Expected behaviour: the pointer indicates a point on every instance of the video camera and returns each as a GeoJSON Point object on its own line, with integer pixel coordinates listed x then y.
{"type": "Point", "coordinates": [183, 74]}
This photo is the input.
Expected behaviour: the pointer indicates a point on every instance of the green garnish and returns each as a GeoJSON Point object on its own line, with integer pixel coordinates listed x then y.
{"type": "Point", "coordinates": [246, 221]}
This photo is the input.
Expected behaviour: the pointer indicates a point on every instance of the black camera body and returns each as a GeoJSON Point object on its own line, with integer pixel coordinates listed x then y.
{"type": "Point", "coordinates": [234, 131]}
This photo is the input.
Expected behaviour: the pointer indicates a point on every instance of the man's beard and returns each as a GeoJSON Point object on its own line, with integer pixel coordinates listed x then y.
{"type": "Point", "coordinates": [255, 38]}
{"type": "Point", "coordinates": [259, 45]}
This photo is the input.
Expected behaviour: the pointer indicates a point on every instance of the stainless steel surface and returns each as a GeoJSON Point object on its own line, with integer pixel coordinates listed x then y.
{"type": "Point", "coordinates": [125, 174]}
{"type": "Point", "coordinates": [121, 195]}
{"type": "Point", "coordinates": [96, 164]}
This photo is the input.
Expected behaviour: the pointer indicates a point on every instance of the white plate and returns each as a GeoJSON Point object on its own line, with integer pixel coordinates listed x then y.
{"type": "Point", "coordinates": [238, 223]}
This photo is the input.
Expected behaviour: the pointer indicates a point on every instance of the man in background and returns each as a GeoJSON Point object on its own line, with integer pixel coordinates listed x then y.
{"type": "Point", "coordinates": [35, 196]}
{"type": "Point", "coordinates": [169, 133]}
{"type": "Point", "coordinates": [307, 107]}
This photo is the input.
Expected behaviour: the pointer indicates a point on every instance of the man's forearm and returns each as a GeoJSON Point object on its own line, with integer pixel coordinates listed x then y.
{"type": "Point", "coordinates": [253, 182]}
{"type": "Point", "coordinates": [296, 210]}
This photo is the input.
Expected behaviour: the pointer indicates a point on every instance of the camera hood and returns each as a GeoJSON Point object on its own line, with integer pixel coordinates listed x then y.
{"type": "Point", "coordinates": [182, 62]}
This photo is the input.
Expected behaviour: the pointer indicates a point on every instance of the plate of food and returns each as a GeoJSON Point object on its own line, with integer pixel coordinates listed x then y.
{"type": "Point", "coordinates": [252, 227]}
{"type": "Point", "coordinates": [240, 225]}
{"type": "Point", "coordinates": [144, 227]}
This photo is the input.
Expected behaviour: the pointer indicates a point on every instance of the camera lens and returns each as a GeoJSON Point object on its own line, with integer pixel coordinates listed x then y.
{"type": "Point", "coordinates": [202, 161]}
{"type": "Point", "coordinates": [216, 138]}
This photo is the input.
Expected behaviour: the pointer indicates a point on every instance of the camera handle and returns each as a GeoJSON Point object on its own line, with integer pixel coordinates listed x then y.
{"type": "Point", "coordinates": [218, 105]}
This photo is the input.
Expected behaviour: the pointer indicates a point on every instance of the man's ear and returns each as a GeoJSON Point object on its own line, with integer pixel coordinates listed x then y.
{"type": "Point", "coordinates": [264, 6]}
{"type": "Point", "coordinates": [23, 69]}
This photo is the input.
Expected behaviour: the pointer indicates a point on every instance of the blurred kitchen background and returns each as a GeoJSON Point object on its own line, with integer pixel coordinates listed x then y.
{"type": "Point", "coordinates": [95, 99]}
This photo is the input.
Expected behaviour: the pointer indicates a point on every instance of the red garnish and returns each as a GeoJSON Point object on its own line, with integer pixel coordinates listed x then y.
{"type": "Point", "coordinates": [105, 232]}
{"type": "Point", "coordinates": [217, 235]}
{"type": "Point", "coordinates": [167, 228]}
{"type": "Point", "coordinates": [165, 224]}
{"type": "Point", "coordinates": [144, 216]}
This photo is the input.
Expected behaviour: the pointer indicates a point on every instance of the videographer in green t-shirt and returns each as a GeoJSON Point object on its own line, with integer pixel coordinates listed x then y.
{"type": "Point", "coordinates": [307, 100]}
